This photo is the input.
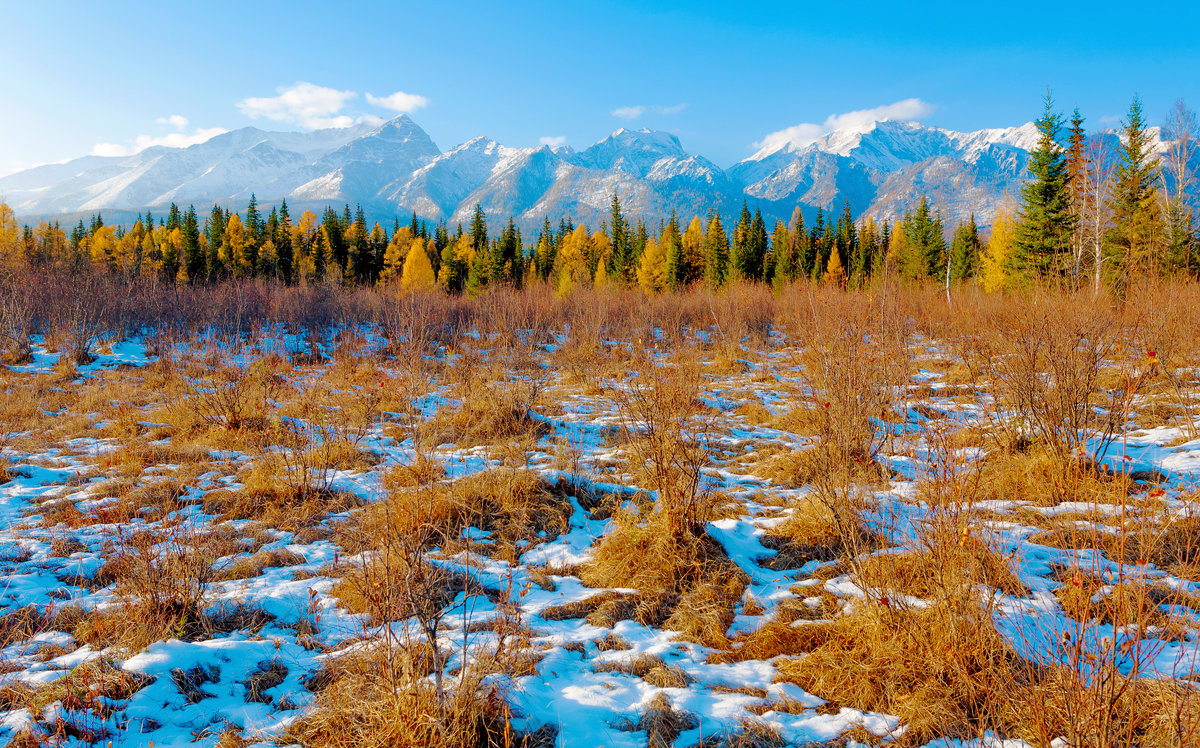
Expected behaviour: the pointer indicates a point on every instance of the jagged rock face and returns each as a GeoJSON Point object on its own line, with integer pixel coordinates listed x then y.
{"type": "Point", "coordinates": [396, 169]}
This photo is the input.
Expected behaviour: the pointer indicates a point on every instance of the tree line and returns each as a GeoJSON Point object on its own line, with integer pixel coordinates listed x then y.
{"type": "Point", "coordinates": [1085, 216]}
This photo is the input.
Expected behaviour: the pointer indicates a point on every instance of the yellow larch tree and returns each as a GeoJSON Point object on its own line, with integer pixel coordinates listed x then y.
{"type": "Point", "coordinates": [103, 247]}
{"type": "Point", "coordinates": [573, 261]}
{"type": "Point", "coordinates": [652, 268]}
{"type": "Point", "coordinates": [126, 254]}
{"type": "Point", "coordinates": [599, 250]}
{"type": "Point", "coordinates": [418, 270]}
{"type": "Point", "coordinates": [233, 252]}
{"type": "Point", "coordinates": [693, 250]}
{"type": "Point", "coordinates": [395, 255]}
{"type": "Point", "coordinates": [12, 253]}
{"type": "Point", "coordinates": [834, 273]}
{"type": "Point", "coordinates": [997, 251]}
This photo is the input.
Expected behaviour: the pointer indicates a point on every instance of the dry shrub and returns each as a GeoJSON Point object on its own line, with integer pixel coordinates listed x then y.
{"type": "Point", "coordinates": [939, 669]}
{"type": "Point", "coordinates": [17, 319]}
{"type": "Point", "coordinates": [692, 588]}
{"type": "Point", "coordinates": [661, 722]}
{"type": "Point", "coordinates": [420, 471]}
{"type": "Point", "coordinates": [517, 508]}
{"type": "Point", "coordinates": [161, 581]}
{"type": "Point", "coordinates": [1039, 476]}
{"type": "Point", "coordinates": [810, 533]}
{"type": "Point", "coordinates": [1086, 597]}
{"type": "Point", "coordinates": [1168, 541]}
{"type": "Point", "coordinates": [750, 733]}
{"type": "Point", "coordinates": [234, 397]}
{"type": "Point", "coordinates": [380, 699]}
{"type": "Point", "coordinates": [582, 608]}
{"type": "Point", "coordinates": [930, 573]}
{"type": "Point", "coordinates": [489, 411]}
{"type": "Point", "coordinates": [253, 566]}
{"type": "Point", "coordinates": [393, 587]}
{"type": "Point", "coordinates": [1112, 711]}
{"type": "Point", "coordinates": [281, 508]}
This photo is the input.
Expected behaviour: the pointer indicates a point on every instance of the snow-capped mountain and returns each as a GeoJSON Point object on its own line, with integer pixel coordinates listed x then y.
{"type": "Point", "coordinates": [395, 169]}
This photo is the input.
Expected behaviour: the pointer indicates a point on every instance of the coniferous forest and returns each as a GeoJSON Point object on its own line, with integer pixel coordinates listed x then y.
{"type": "Point", "coordinates": [1084, 218]}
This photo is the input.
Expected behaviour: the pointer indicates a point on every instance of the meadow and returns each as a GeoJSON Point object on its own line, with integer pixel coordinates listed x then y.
{"type": "Point", "coordinates": [254, 514]}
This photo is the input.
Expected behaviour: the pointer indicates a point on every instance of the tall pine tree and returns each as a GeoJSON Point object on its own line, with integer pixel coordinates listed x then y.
{"type": "Point", "coordinates": [1043, 240]}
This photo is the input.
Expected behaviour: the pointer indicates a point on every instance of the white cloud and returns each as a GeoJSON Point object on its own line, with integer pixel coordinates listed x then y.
{"type": "Point", "coordinates": [398, 102]}
{"type": "Point", "coordinates": [553, 140]}
{"type": "Point", "coordinates": [110, 149]}
{"type": "Point", "coordinates": [633, 112]}
{"type": "Point", "coordinates": [304, 104]}
{"type": "Point", "coordinates": [629, 112]}
{"type": "Point", "coordinates": [807, 133]}
{"type": "Point", "coordinates": [172, 140]}
{"type": "Point", "coordinates": [178, 121]}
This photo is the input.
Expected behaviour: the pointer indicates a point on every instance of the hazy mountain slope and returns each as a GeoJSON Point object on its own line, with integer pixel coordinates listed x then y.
{"type": "Point", "coordinates": [396, 169]}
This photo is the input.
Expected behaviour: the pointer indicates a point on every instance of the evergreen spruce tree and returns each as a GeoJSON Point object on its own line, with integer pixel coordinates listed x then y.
{"type": "Point", "coordinates": [622, 264]}
{"type": "Point", "coordinates": [194, 258]}
{"type": "Point", "coordinates": [479, 273]}
{"type": "Point", "coordinates": [321, 256]}
{"type": "Point", "coordinates": [254, 223]}
{"type": "Point", "coordinates": [335, 226]}
{"type": "Point", "coordinates": [846, 236]}
{"type": "Point", "coordinates": [757, 247]}
{"type": "Point", "coordinates": [544, 253]}
{"type": "Point", "coordinates": [1136, 222]}
{"type": "Point", "coordinates": [214, 231]}
{"type": "Point", "coordinates": [479, 229]}
{"type": "Point", "coordinates": [671, 243]}
{"type": "Point", "coordinates": [739, 247]}
{"type": "Point", "coordinates": [716, 252]}
{"type": "Point", "coordinates": [782, 262]}
{"type": "Point", "coordinates": [174, 218]}
{"type": "Point", "coordinates": [923, 249]}
{"type": "Point", "coordinates": [1043, 239]}
{"type": "Point", "coordinates": [810, 260]}
{"type": "Point", "coordinates": [964, 252]}
{"type": "Point", "coordinates": [283, 244]}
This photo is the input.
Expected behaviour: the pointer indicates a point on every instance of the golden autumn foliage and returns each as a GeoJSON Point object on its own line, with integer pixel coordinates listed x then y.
{"type": "Point", "coordinates": [997, 252]}
{"type": "Point", "coordinates": [834, 273]}
{"type": "Point", "coordinates": [395, 255]}
{"type": "Point", "coordinates": [652, 269]}
{"type": "Point", "coordinates": [573, 261]}
{"type": "Point", "coordinates": [418, 271]}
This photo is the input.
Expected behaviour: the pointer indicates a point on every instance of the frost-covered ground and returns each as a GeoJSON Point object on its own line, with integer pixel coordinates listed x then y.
{"type": "Point", "coordinates": [256, 679]}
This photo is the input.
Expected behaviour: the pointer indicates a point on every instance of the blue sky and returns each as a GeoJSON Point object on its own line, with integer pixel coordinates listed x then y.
{"type": "Point", "coordinates": [82, 77]}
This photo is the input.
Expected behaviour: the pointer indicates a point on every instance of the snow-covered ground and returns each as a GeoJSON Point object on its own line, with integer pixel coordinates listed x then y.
{"type": "Point", "coordinates": [191, 688]}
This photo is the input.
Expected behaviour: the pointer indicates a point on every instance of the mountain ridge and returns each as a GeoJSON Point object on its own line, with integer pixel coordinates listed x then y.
{"type": "Point", "coordinates": [395, 168]}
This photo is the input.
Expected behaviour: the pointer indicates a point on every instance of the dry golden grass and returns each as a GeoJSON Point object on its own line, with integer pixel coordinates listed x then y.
{"type": "Point", "coordinates": [378, 701]}
{"type": "Point", "coordinates": [489, 413]}
{"type": "Point", "coordinates": [810, 533]}
{"type": "Point", "coordinates": [938, 669]}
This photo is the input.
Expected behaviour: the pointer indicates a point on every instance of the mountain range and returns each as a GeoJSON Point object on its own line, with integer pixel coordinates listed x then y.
{"type": "Point", "coordinates": [396, 169]}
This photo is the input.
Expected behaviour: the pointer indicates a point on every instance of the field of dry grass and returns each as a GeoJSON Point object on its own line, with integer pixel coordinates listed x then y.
{"type": "Point", "coordinates": [316, 517]}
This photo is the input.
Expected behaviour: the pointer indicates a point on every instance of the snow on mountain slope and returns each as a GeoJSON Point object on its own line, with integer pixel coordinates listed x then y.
{"type": "Point", "coordinates": [438, 188]}
{"type": "Point", "coordinates": [880, 168]}
{"type": "Point", "coordinates": [223, 167]}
